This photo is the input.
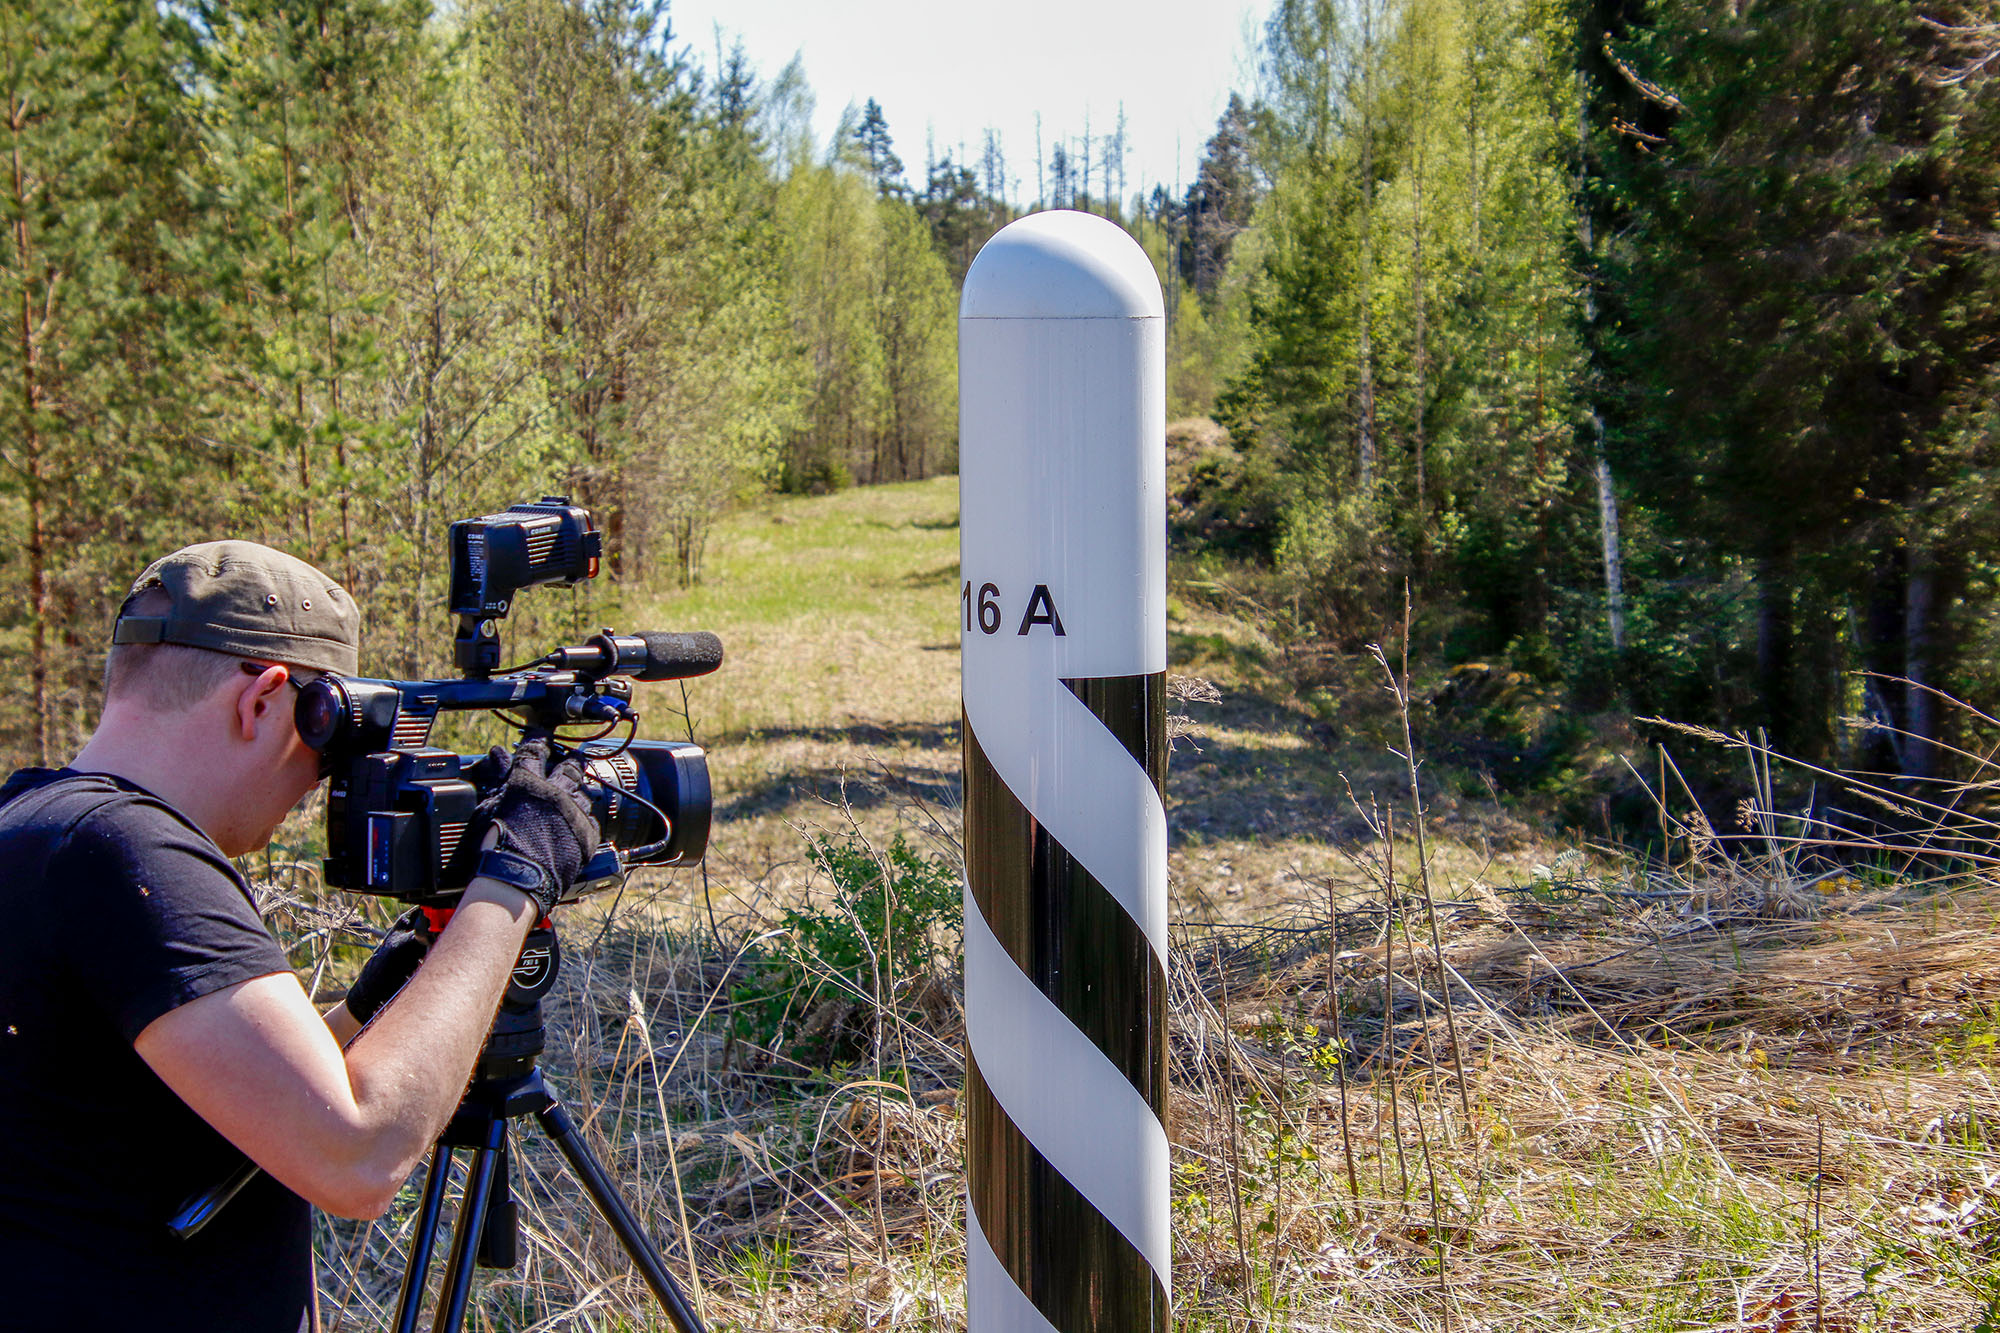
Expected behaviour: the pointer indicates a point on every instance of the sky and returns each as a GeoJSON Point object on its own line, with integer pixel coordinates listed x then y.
{"type": "Point", "coordinates": [950, 70]}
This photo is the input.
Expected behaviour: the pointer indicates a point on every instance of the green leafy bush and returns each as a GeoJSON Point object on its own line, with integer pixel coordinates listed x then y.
{"type": "Point", "coordinates": [878, 947]}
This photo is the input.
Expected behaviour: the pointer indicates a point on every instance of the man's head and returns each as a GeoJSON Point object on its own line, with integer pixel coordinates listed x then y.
{"type": "Point", "coordinates": [198, 683]}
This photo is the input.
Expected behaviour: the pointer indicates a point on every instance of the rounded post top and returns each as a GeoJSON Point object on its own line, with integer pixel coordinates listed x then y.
{"type": "Point", "coordinates": [1061, 265]}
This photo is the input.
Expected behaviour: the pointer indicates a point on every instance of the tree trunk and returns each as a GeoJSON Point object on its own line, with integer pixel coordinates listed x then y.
{"type": "Point", "coordinates": [1614, 564]}
{"type": "Point", "coordinates": [31, 451]}
{"type": "Point", "coordinates": [1920, 705]}
{"type": "Point", "coordinates": [1419, 367]}
{"type": "Point", "coordinates": [1774, 648]}
{"type": "Point", "coordinates": [1365, 352]}
{"type": "Point", "coordinates": [1883, 657]}
{"type": "Point", "coordinates": [1607, 494]}
{"type": "Point", "coordinates": [1472, 54]}
{"type": "Point", "coordinates": [38, 603]}
{"type": "Point", "coordinates": [290, 224]}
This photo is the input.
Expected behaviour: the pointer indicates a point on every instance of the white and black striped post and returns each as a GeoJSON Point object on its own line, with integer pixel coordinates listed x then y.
{"type": "Point", "coordinates": [1062, 484]}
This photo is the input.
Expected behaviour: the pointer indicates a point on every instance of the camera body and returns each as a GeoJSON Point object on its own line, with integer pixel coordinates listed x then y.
{"type": "Point", "coordinates": [399, 809]}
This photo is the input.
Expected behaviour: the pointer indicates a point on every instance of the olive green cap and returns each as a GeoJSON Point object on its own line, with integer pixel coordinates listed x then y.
{"type": "Point", "coordinates": [251, 601]}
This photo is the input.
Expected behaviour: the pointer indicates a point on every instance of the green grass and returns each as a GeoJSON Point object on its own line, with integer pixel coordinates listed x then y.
{"type": "Point", "coordinates": [797, 560]}
{"type": "Point", "coordinates": [828, 606]}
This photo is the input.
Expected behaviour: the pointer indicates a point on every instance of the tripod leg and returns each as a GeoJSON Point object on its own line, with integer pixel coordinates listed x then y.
{"type": "Point", "coordinates": [500, 1234]}
{"type": "Point", "coordinates": [422, 1241]}
{"type": "Point", "coordinates": [611, 1206]}
{"type": "Point", "coordinates": [465, 1235]}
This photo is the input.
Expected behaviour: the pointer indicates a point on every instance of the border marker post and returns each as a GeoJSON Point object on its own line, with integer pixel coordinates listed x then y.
{"type": "Point", "coordinates": [1062, 621]}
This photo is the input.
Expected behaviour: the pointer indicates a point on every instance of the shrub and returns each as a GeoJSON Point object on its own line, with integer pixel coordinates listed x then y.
{"type": "Point", "coordinates": [877, 948]}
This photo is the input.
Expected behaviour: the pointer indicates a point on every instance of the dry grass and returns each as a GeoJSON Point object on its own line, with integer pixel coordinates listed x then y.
{"type": "Point", "coordinates": [1776, 1124]}
{"type": "Point", "coordinates": [1742, 1091]}
{"type": "Point", "coordinates": [1676, 1122]}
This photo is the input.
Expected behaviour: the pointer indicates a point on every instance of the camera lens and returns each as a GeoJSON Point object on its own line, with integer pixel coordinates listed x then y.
{"type": "Point", "coordinates": [322, 710]}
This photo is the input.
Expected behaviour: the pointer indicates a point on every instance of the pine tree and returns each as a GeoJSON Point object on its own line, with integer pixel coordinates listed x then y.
{"type": "Point", "coordinates": [1221, 201]}
{"type": "Point", "coordinates": [587, 98]}
{"type": "Point", "coordinates": [458, 372]}
{"type": "Point", "coordinates": [85, 399]}
{"type": "Point", "coordinates": [961, 216]}
{"type": "Point", "coordinates": [871, 136]}
{"type": "Point", "coordinates": [285, 107]}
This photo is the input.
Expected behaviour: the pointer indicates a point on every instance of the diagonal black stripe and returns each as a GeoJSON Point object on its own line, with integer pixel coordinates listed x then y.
{"type": "Point", "coordinates": [1078, 1269]}
{"type": "Point", "coordinates": [1064, 930]}
{"type": "Point", "coordinates": [1134, 709]}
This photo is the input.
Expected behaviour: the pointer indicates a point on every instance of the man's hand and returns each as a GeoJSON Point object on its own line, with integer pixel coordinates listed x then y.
{"type": "Point", "coordinates": [541, 821]}
{"type": "Point", "coordinates": [392, 964]}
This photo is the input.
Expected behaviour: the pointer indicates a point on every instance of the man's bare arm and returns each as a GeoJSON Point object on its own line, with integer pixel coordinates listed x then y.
{"type": "Point", "coordinates": [344, 1130]}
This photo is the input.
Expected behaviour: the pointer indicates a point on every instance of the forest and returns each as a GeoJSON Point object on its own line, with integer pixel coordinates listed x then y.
{"type": "Point", "coordinates": [1624, 357]}
{"type": "Point", "coordinates": [1651, 346]}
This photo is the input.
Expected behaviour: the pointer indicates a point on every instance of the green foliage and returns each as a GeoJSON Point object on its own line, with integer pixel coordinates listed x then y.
{"type": "Point", "coordinates": [1414, 360]}
{"type": "Point", "coordinates": [1337, 557]}
{"type": "Point", "coordinates": [822, 990]}
{"type": "Point", "coordinates": [332, 277]}
{"type": "Point", "coordinates": [1652, 345]}
{"type": "Point", "coordinates": [873, 315]}
{"type": "Point", "coordinates": [92, 396]}
{"type": "Point", "coordinates": [1802, 328]}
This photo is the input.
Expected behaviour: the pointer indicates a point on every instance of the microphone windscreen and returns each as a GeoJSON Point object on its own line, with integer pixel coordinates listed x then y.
{"type": "Point", "coordinates": [678, 654]}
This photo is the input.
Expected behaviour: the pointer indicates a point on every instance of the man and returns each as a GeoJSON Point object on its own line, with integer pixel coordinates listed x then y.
{"type": "Point", "coordinates": [148, 1021]}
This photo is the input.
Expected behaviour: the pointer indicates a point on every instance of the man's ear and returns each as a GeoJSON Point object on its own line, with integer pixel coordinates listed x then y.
{"type": "Point", "coordinates": [256, 700]}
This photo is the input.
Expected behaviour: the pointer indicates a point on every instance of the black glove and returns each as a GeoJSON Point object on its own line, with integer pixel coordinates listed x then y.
{"type": "Point", "coordinates": [392, 964]}
{"type": "Point", "coordinates": [546, 832]}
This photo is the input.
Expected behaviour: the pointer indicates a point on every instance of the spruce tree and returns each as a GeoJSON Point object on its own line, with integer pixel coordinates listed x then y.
{"type": "Point", "coordinates": [1807, 321]}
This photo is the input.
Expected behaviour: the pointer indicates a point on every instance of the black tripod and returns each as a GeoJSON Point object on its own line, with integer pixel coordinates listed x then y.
{"type": "Point", "coordinates": [507, 1085]}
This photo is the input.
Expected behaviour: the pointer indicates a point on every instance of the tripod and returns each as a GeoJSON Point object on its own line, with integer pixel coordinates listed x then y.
{"type": "Point", "coordinates": [506, 1086]}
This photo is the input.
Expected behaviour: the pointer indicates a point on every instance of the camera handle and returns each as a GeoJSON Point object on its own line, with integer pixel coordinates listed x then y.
{"type": "Point", "coordinates": [475, 648]}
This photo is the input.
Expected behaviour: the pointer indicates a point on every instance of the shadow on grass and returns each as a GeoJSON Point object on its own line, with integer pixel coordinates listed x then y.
{"type": "Point", "coordinates": [1226, 792]}
{"type": "Point", "coordinates": [931, 578]}
{"type": "Point", "coordinates": [865, 735]}
{"type": "Point", "coordinates": [856, 787]}
{"type": "Point", "coordinates": [866, 784]}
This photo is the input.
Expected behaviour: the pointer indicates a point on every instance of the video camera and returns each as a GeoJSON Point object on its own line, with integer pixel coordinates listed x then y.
{"type": "Point", "coordinates": [398, 809]}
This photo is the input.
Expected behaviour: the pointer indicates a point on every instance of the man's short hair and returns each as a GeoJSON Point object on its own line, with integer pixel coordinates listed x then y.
{"type": "Point", "coordinates": [171, 677]}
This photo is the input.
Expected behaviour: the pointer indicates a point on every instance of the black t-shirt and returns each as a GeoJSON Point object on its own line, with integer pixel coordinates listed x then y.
{"type": "Point", "coordinates": [117, 909]}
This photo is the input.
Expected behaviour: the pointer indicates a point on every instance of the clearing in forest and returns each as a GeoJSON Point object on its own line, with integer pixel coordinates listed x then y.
{"type": "Point", "coordinates": [839, 699]}
{"type": "Point", "coordinates": [1510, 1086]}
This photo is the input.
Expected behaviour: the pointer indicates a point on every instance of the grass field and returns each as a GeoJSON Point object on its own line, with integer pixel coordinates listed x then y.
{"type": "Point", "coordinates": [1520, 1084]}
{"type": "Point", "coordinates": [839, 616]}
